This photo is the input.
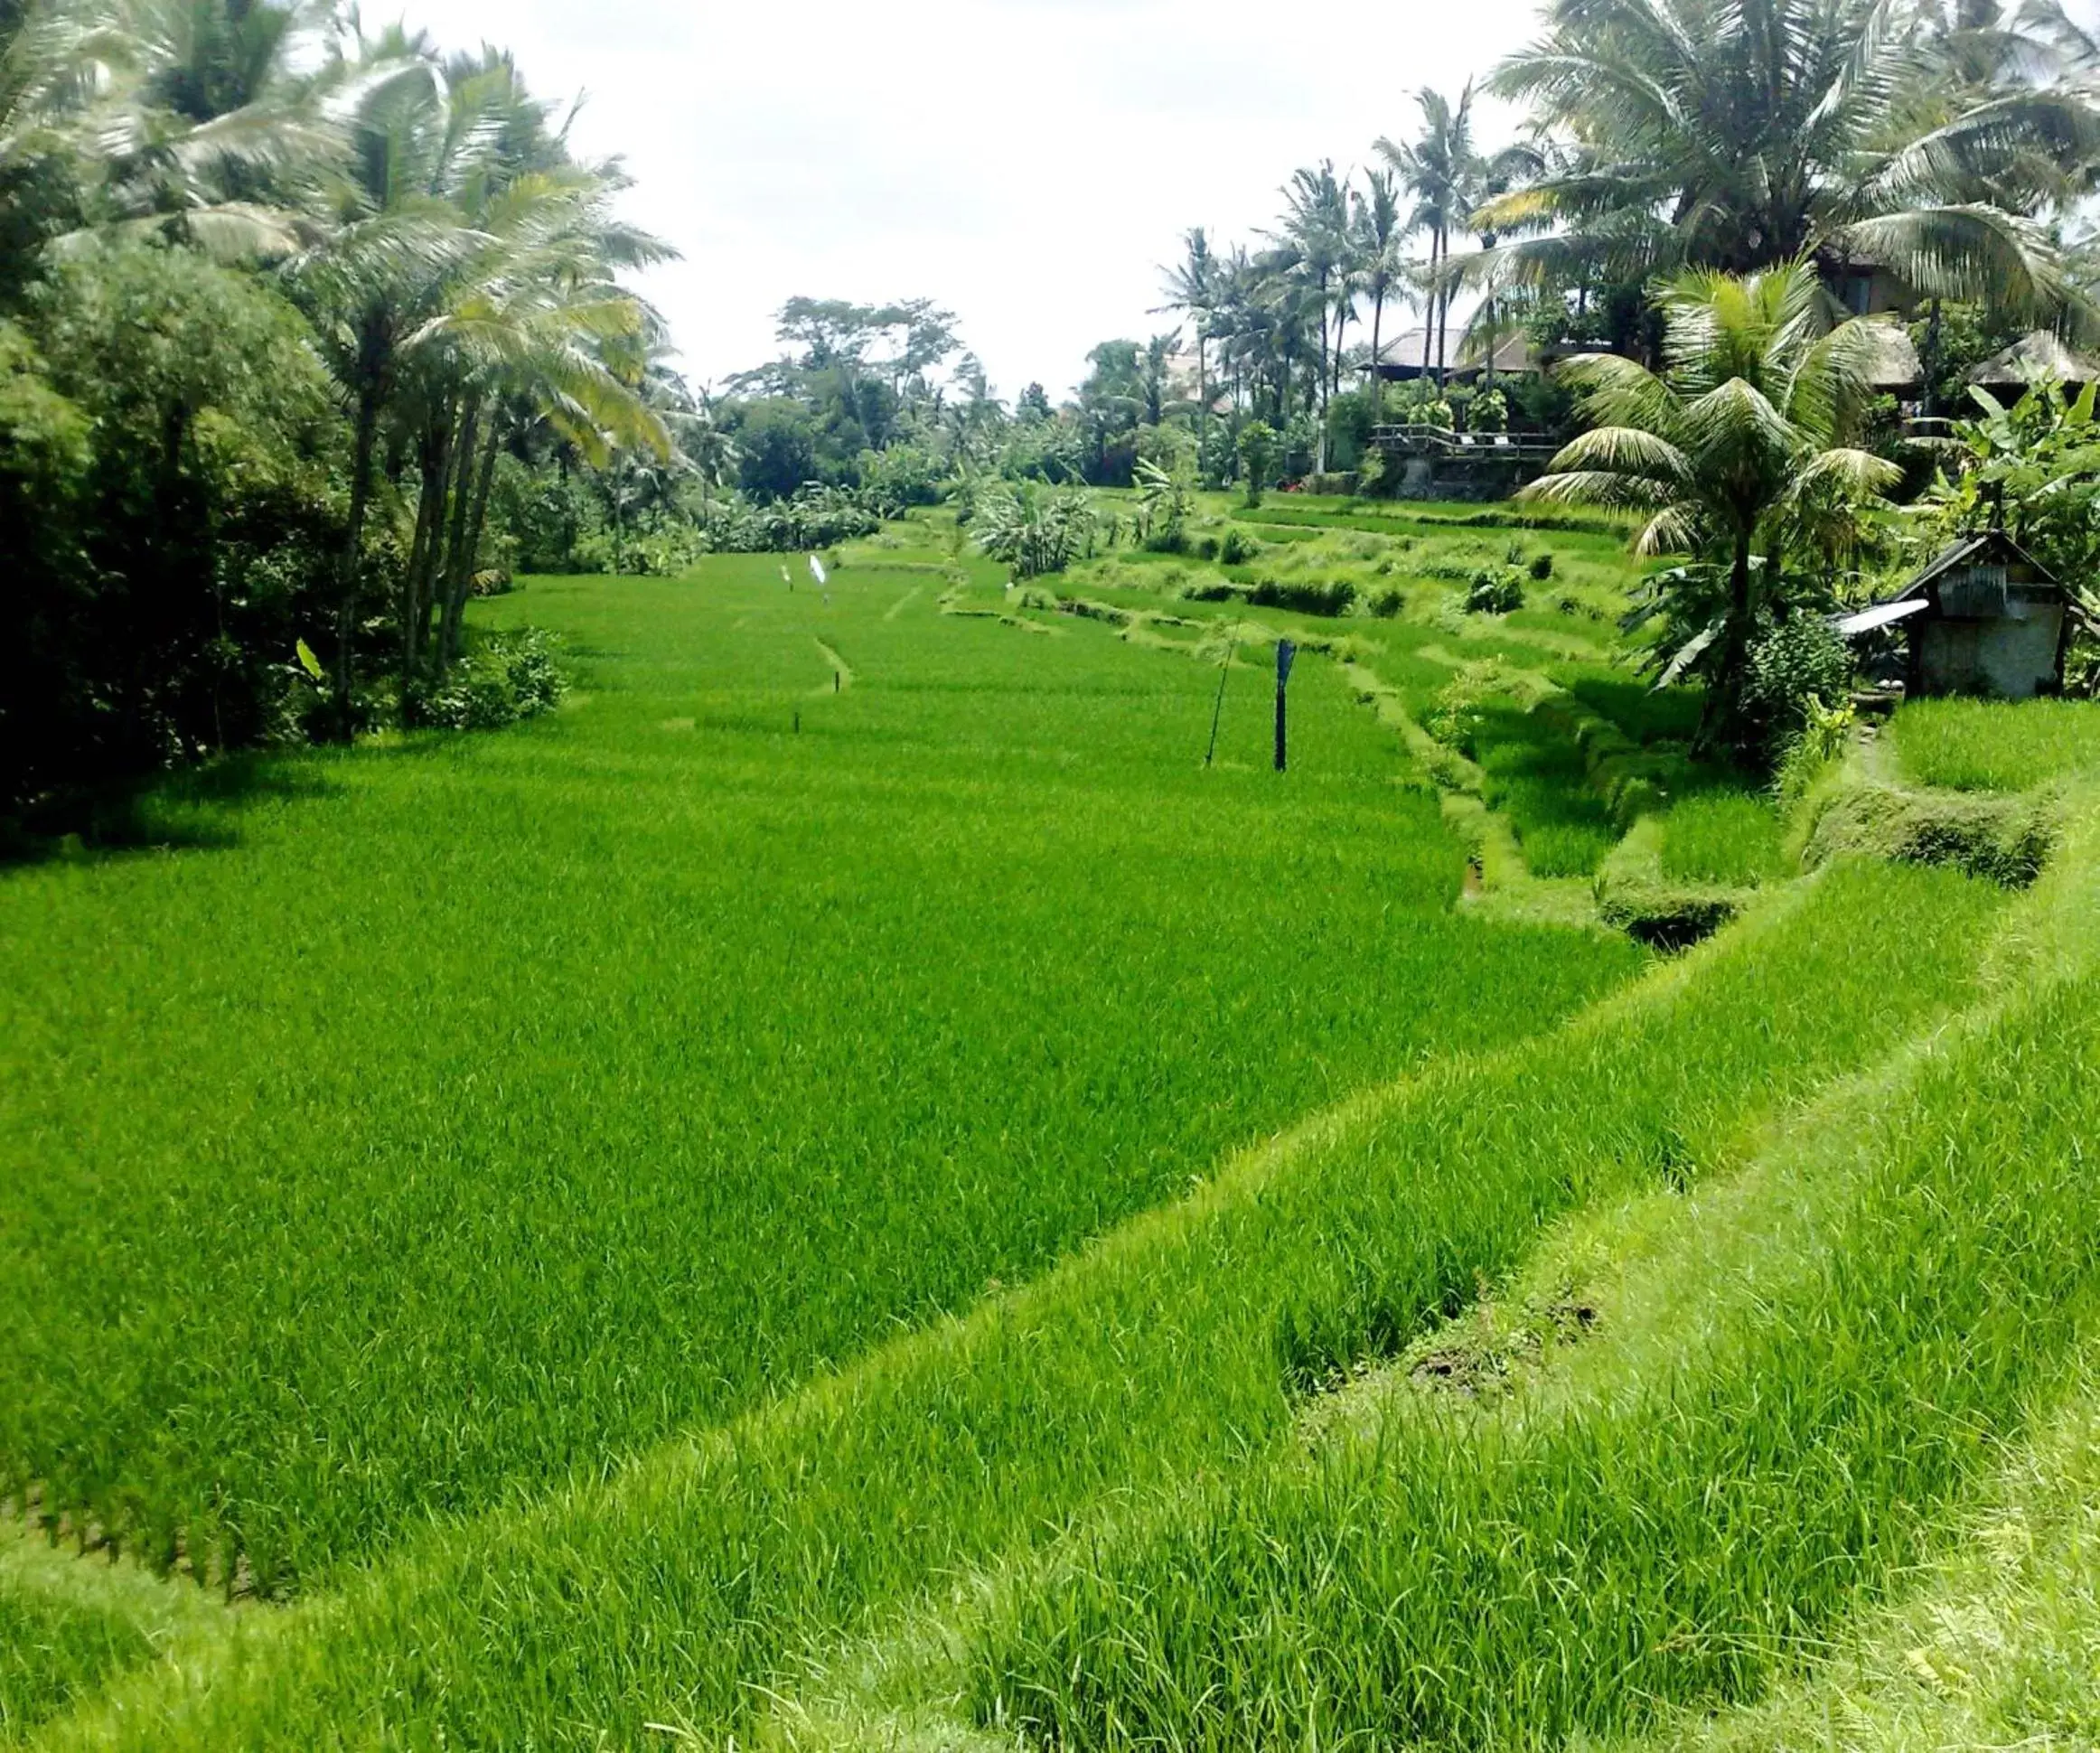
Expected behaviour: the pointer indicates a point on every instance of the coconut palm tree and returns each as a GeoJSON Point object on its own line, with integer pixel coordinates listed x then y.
{"type": "Point", "coordinates": [458, 268]}
{"type": "Point", "coordinates": [1313, 246]}
{"type": "Point", "coordinates": [1738, 454]}
{"type": "Point", "coordinates": [1440, 170]}
{"type": "Point", "coordinates": [1195, 288]}
{"type": "Point", "coordinates": [1376, 233]}
{"type": "Point", "coordinates": [1744, 134]}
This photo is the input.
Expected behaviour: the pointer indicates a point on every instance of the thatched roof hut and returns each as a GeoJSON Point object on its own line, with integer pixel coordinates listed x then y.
{"type": "Point", "coordinates": [2042, 355]}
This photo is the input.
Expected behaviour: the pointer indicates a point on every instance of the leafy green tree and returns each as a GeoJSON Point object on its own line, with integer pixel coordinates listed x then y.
{"type": "Point", "coordinates": [776, 442]}
{"type": "Point", "coordinates": [1738, 454]}
{"type": "Point", "coordinates": [1258, 449]}
{"type": "Point", "coordinates": [174, 452]}
{"type": "Point", "coordinates": [1744, 135]}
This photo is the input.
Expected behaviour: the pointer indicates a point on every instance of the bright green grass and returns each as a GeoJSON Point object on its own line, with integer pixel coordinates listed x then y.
{"type": "Point", "coordinates": [1681, 1531]}
{"type": "Point", "coordinates": [51, 1651]}
{"type": "Point", "coordinates": [1981, 746]}
{"type": "Point", "coordinates": [747, 1564]}
{"type": "Point", "coordinates": [1645, 714]}
{"type": "Point", "coordinates": [69, 1625]}
{"type": "Point", "coordinates": [1730, 837]}
{"type": "Point", "coordinates": [1535, 775]}
{"type": "Point", "coordinates": [499, 1105]}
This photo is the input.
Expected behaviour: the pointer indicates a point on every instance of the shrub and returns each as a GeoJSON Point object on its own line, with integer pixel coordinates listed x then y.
{"type": "Point", "coordinates": [1258, 444]}
{"type": "Point", "coordinates": [1820, 740]}
{"type": "Point", "coordinates": [1387, 603]}
{"type": "Point", "coordinates": [1801, 660]}
{"type": "Point", "coordinates": [504, 678]}
{"type": "Point", "coordinates": [1495, 590]}
{"type": "Point", "coordinates": [1305, 596]}
{"type": "Point", "coordinates": [1237, 549]}
{"type": "Point", "coordinates": [1542, 565]}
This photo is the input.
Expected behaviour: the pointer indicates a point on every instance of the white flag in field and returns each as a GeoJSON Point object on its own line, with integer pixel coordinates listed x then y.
{"type": "Point", "coordinates": [817, 570]}
{"type": "Point", "coordinates": [787, 577]}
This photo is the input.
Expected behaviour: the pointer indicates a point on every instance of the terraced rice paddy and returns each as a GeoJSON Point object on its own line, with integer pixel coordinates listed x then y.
{"type": "Point", "coordinates": [488, 1109]}
{"type": "Point", "coordinates": [861, 1198]}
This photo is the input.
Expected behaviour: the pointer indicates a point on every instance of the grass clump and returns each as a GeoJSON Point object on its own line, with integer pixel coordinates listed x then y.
{"type": "Point", "coordinates": [52, 1651]}
{"type": "Point", "coordinates": [1984, 745]}
{"type": "Point", "coordinates": [1728, 838]}
{"type": "Point", "coordinates": [2004, 838]}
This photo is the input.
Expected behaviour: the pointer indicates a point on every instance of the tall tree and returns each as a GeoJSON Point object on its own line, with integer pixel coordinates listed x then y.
{"type": "Point", "coordinates": [1376, 234]}
{"type": "Point", "coordinates": [1194, 287]}
{"type": "Point", "coordinates": [1440, 170]}
{"type": "Point", "coordinates": [1738, 453]}
{"type": "Point", "coordinates": [1743, 134]}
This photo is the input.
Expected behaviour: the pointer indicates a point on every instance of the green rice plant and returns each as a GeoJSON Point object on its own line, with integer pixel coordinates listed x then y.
{"type": "Point", "coordinates": [1707, 1501]}
{"type": "Point", "coordinates": [746, 1562]}
{"type": "Point", "coordinates": [1563, 848]}
{"type": "Point", "coordinates": [452, 1118]}
{"type": "Point", "coordinates": [1723, 837]}
{"type": "Point", "coordinates": [1985, 745]}
{"type": "Point", "coordinates": [1645, 714]}
{"type": "Point", "coordinates": [53, 1652]}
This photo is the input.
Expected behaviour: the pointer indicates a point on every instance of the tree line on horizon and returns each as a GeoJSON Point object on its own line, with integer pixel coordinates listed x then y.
{"type": "Point", "coordinates": [1950, 141]}
{"type": "Point", "coordinates": [308, 333]}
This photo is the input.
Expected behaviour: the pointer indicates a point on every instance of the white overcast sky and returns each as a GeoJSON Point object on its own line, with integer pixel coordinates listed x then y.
{"type": "Point", "coordinates": [1028, 164]}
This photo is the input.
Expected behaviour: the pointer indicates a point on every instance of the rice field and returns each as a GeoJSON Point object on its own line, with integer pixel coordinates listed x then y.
{"type": "Point", "coordinates": [1985, 745]}
{"type": "Point", "coordinates": [1727, 837]}
{"type": "Point", "coordinates": [482, 1112]}
{"type": "Point", "coordinates": [845, 1191]}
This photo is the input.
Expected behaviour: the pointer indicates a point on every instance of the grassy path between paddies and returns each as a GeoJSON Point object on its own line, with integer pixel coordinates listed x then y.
{"type": "Point", "coordinates": [70, 1623]}
{"type": "Point", "coordinates": [1797, 1391]}
{"type": "Point", "coordinates": [724, 1571]}
{"type": "Point", "coordinates": [842, 671]}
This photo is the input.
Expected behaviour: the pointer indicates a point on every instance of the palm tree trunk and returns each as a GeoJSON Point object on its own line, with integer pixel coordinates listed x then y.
{"type": "Point", "coordinates": [1724, 697]}
{"type": "Point", "coordinates": [346, 572]}
{"type": "Point", "coordinates": [1202, 401]}
{"type": "Point", "coordinates": [1443, 318]}
{"type": "Point", "coordinates": [458, 495]}
{"type": "Point", "coordinates": [435, 468]}
{"type": "Point", "coordinates": [466, 540]}
{"type": "Point", "coordinates": [1931, 364]}
{"type": "Point", "coordinates": [1430, 312]}
{"type": "Point", "coordinates": [1377, 377]}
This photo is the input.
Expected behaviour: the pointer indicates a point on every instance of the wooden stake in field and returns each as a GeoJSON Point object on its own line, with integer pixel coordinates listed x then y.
{"type": "Point", "coordinates": [1218, 706]}
{"type": "Point", "coordinates": [1286, 654]}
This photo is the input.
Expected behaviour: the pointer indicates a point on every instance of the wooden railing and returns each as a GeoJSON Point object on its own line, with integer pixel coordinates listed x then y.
{"type": "Point", "coordinates": [1412, 440]}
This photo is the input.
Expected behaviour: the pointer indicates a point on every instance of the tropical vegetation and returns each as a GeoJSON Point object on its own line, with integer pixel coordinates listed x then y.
{"type": "Point", "coordinates": [821, 1062]}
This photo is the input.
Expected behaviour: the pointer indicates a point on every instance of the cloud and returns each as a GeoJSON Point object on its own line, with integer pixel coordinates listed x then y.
{"type": "Point", "coordinates": [1028, 164]}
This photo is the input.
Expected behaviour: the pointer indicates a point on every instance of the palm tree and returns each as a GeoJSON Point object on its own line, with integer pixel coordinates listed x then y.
{"type": "Point", "coordinates": [1194, 289]}
{"type": "Point", "coordinates": [183, 118]}
{"type": "Point", "coordinates": [1376, 234]}
{"type": "Point", "coordinates": [457, 272]}
{"type": "Point", "coordinates": [1736, 454]}
{"type": "Point", "coordinates": [1744, 134]}
{"type": "Point", "coordinates": [1440, 169]}
{"type": "Point", "coordinates": [1313, 248]}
